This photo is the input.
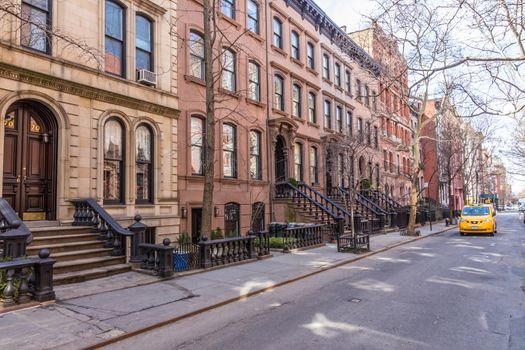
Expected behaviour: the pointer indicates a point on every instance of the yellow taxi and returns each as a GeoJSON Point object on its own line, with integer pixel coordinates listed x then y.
{"type": "Point", "coordinates": [477, 219]}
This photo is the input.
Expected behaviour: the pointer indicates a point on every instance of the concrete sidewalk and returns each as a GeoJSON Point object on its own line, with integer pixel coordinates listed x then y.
{"type": "Point", "coordinates": [94, 311]}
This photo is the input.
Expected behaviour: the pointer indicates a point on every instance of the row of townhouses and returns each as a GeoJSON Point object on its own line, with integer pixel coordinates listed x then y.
{"type": "Point", "coordinates": [105, 99]}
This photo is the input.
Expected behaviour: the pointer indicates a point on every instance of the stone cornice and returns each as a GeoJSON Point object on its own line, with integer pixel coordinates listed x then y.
{"type": "Point", "coordinates": [46, 81]}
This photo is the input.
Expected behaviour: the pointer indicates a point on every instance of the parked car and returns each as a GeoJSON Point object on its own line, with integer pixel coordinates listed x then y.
{"type": "Point", "coordinates": [478, 219]}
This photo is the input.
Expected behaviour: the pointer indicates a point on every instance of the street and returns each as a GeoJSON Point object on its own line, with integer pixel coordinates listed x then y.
{"type": "Point", "coordinates": [442, 292]}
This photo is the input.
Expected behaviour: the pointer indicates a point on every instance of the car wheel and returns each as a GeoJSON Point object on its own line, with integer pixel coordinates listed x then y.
{"type": "Point", "coordinates": [492, 233]}
{"type": "Point", "coordinates": [461, 233]}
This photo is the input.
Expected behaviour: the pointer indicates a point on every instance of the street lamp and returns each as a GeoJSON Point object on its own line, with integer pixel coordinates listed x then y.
{"type": "Point", "coordinates": [428, 200]}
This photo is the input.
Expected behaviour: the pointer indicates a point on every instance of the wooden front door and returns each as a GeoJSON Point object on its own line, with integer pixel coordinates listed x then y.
{"type": "Point", "coordinates": [29, 161]}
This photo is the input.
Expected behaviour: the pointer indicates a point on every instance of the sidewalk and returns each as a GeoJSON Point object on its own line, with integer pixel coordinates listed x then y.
{"type": "Point", "coordinates": [94, 311]}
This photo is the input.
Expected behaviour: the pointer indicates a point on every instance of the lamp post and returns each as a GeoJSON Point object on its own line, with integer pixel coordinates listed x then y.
{"type": "Point", "coordinates": [428, 200]}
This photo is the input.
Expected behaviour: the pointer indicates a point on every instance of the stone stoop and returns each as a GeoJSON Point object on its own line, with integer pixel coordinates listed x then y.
{"type": "Point", "coordinates": [79, 255]}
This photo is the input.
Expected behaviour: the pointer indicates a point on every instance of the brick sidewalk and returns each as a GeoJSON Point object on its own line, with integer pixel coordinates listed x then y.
{"type": "Point", "coordinates": [93, 311]}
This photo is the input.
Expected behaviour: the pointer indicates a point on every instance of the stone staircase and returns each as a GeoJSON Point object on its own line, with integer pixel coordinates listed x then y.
{"type": "Point", "coordinates": [79, 255]}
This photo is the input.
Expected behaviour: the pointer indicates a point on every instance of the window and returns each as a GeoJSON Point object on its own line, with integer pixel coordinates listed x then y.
{"type": "Point", "coordinates": [298, 156]}
{"type": "Point", "coordinates": [370, 172]}
{"type": "Point", "coordinates": [339, 118]}
{"type": "Point", "coordinates": [374, 101]}
{"type": "Point", "coordinates": [278, 87]}
{"type": "Point", "coordinates": [310, 56]}
{"type": "Point", "coordinates": [367, 96]}
{"type": "Point", "coordinates": [144, 164]}
{"type": "Point", "coordinates": [258, 224]}
{"type": "Point", "coordinates": [255, 155]}
{"type": "Point", "coordinates": [144, 47]}
{"type": "Point", "coordinates": [35, 18]}
{"type": "Point", "coordinates": [326, 67]}
{"type": "Point", "coordinates": [360, 129]}
{"type": "Point", "coordinates": [277, 33]}
{"type": "Point", "coordinates": [232, 222]}
{"type": "Point", "coordinates": [114, 59]}
{"type": "Point", "coordinates": [228, 70]}
{"type": "Point", "coordinates": [398, 165]}
{"type": "Point", "coordinates": [254, 81]}
{"type": "Point", "coordinates": [350, 123]}
{"type": "Point", "coordinates": [385, 160]}
{"type": "Point", "coordinates": [368, 134]}
{"type": "Point", "coordinates": [358, 89]}
{"type": "Point", "coordinates": [312, 108]}
{"type": "Point", "coordinates": [314, 177]}
{"type": "Point", "coordinates": [337, 74]}
{"type": "Point", "coordinates": [197, 63]}
{"type": "Point", "coordinates": [391, 163]}
{"type": "Point", "coordinates": [376, 137]}
{"type": "Point", "coordinates": [113, 162]}
{"type": "Point", "coordinates": [296, 101]}
{"type": "Point", "coordinates": [228, 8]}
{"type": "Point", "coordinates": [327, 114]}
{"type": "Point", "coordinates": [348, 82]}
{"type": "Point", "coordinates": [197, 137]}
{"type": "Point", "coordinates": [229, 151]}
{"type": "Point", "coordinates": [296, 48]}
{"type": "Point", "coordinates": [253, 17]}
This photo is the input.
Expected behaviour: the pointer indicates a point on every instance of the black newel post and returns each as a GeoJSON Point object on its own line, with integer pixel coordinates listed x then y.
{"type": "Point", "coordinates": [139, 231]}
{"type": "Point", "coordinates": [15, 241]}
{"type": "Point", "coordinates": [205, 253]}
{"type": "Point", "coordinates": [357, 223]}
{"type": "Point", "coordinates": [340, 225]}
{"type": "Point", "coordinates": [43, 278]}
{"type": "Point", "coordinates": [166, 259]}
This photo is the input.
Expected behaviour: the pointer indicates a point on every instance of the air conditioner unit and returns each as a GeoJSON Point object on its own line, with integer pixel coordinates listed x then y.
{"type": "Point", "coordinates": [147, 77]}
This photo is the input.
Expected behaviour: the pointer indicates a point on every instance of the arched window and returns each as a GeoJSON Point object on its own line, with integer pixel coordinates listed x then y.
{"type": "Point", "coordinates": [197, 137]}
{"type": "Point", "coordinates": [114, 40]}
{"type": "Point", "coordinates": [296, 101]}
{"type": "Point", "coordinates": [278, 87]}
{"type": "Point", "coordinates": [378, 178]}
{"type": "Point", "coordinates": [339, 118]}
{"type": "Point", "coordinates": [312, 108]}
{"type": "Point", "coordinates": [326, 67]}
{"type": "Point", "coordinates": [254, 81]}
{"type": "Point", "coordinates": [144, 164]}
{"type": "Point", "coordinates": [361, 167]}
{"type": "Point", "coordinates": [337, 74]}
{"type": "Point", "coordinates": [255, 155]}
{"type": "Point", "coordinates": [113, 162]}
{"type": "Point", "coordinates": [277, 33]}
{"type": "Point", "coordinates": [232, 222]}
{"type": "Point", "coordinates": [258, 224]}
{"type": "Point", "coordinates": [197, 62]}
{"type": "Point", "coordinates": [296, 48]}
{"type": "Point", "coordinates": [387, 190]}
{"type": "Point", "coordinates": [229, 150]}
{"type": "Point", "coordinates": [314, 160]}
{"type": "Point", "coordinates": [310, 55]}
{"type": "Point", "coordinates": [229, 70]}
{"type": "Point", "coordinates": [341, 166]}
{"type": "Point", "coordinates": [252, 11]}
{"type": "Point", "coordinates": [144, 47]}
{"type": "Point", "coordinates": [298, 156]}
{"type": "Point", "coordinates": [327, 114]}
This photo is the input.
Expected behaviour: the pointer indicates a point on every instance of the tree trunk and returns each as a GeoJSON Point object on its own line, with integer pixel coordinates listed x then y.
{"type": "Point", "coordinates": [209, 155]}
{"type": "Point", "coordinates": [411, 229]}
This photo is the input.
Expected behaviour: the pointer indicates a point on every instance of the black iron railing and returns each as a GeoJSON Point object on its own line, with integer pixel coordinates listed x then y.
{"type": "Point", "coordinates": [227, 251]}
{"type": "Point", "coordinates": [261, 243]}
{"type": "Point", "coordinates": [302, 237]}
{"type": "Point", "coordinates": [89, 213]}
{"type": "Point", "coordinates": [365, 207]}
{"type": "Point", "coordinates": [321, 210]}
{"type": "Point", "coordinates": [14, 234]}
{"type": "Point", "coordinates": [158, 258]}
{"type": "Point", "coordinates": [186, 256]}
{"type": "Point", "coordinates": [26, 279]}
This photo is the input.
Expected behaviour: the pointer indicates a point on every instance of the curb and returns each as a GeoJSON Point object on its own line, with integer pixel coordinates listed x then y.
{"type": "Point", "coordinates": [256, 292]}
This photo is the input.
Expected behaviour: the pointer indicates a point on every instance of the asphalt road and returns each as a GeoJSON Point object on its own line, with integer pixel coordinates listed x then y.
{"type": "Point", "coordinates": [442, 292]}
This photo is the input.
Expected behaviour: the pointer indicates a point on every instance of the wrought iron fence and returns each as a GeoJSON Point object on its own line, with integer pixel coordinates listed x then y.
{"type": "Point", "coordinates": [186, 257]}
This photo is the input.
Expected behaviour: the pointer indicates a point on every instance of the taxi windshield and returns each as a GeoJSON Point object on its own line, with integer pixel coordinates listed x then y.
{"type": "Point", "coordinates": [475, 211]}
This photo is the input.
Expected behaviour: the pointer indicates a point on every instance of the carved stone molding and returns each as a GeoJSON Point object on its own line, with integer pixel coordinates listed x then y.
{"type": "Point", "coordinates": [30, 77]}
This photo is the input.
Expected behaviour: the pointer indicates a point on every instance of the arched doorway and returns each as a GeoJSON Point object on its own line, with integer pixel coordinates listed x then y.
{"type": "Point", "coordinates": [280, 160]}
{"type": "Point", "coordinates": [30, 149]}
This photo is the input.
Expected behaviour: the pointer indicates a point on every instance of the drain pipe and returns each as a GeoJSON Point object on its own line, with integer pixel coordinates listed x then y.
{"type": "Point", "coordinates": [268, 138]}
